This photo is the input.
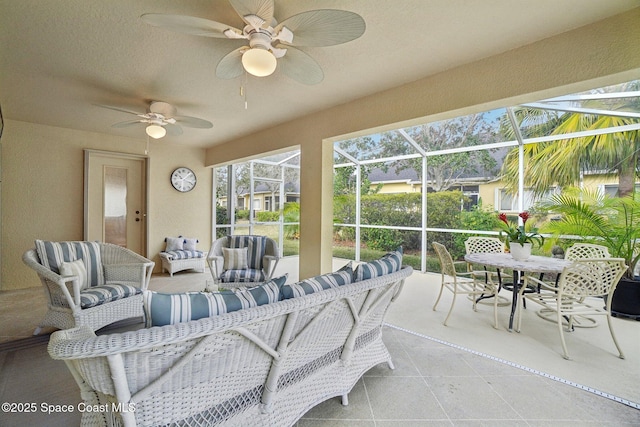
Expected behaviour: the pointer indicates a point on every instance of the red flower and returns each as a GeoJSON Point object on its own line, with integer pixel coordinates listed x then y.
{"type": "Point", "coordinates": [503, 217]}
{"type": "Point", "coordinates": [525, 216]}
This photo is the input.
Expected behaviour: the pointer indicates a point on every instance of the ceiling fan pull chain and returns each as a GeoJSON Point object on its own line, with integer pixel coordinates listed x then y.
{"type": "Point", "coordinates": [243, 93]}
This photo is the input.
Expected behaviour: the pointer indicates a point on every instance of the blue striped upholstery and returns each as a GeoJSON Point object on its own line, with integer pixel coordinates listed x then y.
{"type": "Point", "coordinates": [97, 295]}
{"type": "Point", "coordinates": [53, 254]}
{"type": "Point", "coordinates": [168, 309]}
{"type": "Point", "coordinates": [389, 263]}
{"type": "Point", "coordinates": [342, 277]}
{"type": "Point", "coordinates": [242, 276]}
{"type": "Point", "coordinates": [183, 254]}
{"type": "Point", "coordinates": [256, 248]}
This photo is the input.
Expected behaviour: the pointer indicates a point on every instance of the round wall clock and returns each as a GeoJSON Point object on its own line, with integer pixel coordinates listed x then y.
{"type": "Point", "coordinates": [183, 179]}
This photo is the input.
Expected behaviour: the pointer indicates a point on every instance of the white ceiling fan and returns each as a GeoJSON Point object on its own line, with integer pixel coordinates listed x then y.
{"type": "Point", "coordinates": [160, 119]}
{"type": "Point", "coordinates": [271, 44]}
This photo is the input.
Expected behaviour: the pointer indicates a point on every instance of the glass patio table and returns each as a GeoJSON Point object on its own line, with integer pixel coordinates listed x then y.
{"type": "Point", "coordinates": [534, 264]}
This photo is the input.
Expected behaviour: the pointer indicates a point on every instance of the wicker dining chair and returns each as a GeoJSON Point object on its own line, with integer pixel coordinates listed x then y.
{"type": "Point", "coordinates": [466, 283]}
{"type": "Point", "coordinates": [486, 245]}
{"type": "Point", "coordinates": [573, 296]}
{"type": "Point", "coordinates": [586, 250]}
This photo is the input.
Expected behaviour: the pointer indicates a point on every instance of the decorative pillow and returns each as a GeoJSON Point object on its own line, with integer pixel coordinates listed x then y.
{"type": "Point", "coordinates": [341, 277]}
{"type": "Point", "coordinates": [174, 243]}
{"type": "Point", "coordinates": [389, 263]}
{"type": "Point", "coordinates": [53, 254]}
{"type": "Point", "coordinates": [75, 268]}
{"type": "Point", "coordinates": [190, 244]}
{"type": "Point", "coordinates": [235, 259]}
{"type": "Point", "coordinates": [256, 246]}
{"type": "Point", "coordinates": [169, 309]}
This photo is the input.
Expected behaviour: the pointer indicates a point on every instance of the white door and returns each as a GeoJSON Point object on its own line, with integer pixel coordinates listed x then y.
{"type": "Point", "coordinates": [115, 199]}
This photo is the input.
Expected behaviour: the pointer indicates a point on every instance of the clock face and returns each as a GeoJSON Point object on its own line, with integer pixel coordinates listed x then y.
{"type": "Point", "coordinates": [183, 179]}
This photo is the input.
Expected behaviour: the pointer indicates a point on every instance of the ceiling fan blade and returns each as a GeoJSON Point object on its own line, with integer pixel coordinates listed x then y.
{"type": "Point", "coordinates": [188, 25]}
{"type": "Point", "coordinates": [260, 8]}
{"type": "Point", "coordinates": [323, 27]}
{"type": "Point", "coordinates": [230, 66]}
{"type": "Point", "coordinates": [173, 130]}
{"type": "Point", "coordinates": [126, 124]}
{"type": "Point", "coordinates": [193, 122]}
{"type": "Point", "coordinates": [300, 66]}
{"type": "Point", "coordinates": [122, 110]}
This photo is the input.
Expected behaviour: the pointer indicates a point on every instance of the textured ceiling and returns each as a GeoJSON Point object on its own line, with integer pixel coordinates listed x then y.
{"type": "Point", "coordinates": [59, 58]}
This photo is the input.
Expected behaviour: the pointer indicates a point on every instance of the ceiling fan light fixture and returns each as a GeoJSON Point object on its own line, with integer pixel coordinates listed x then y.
{"type": "Point", "coordinates": [156, 131]}
{"type": "Point", "coordinates": [259, 62]}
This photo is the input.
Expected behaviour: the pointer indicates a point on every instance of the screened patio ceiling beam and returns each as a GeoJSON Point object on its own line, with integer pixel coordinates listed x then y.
{"type": "Point", "coordinates": [411, 141]}
{"type": "Point", "coordinates": [293, 156]}
{"type": "Point", "coordinates": [581, 134]}
{"type": "Point", "coordinates": [594, 111]}
{"type": "Point", "coordinates": [346, 155]}
{"type": "Point", "coordinates": [279, 164]}
{"type": "Point", "coordinates": [615, 95]}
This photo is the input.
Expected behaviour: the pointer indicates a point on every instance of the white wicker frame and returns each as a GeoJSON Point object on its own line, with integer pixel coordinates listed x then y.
{"type": "Point", "coordinates": [120, 265]}
{"type": "Point", "coordinates": [582, 279]}
{"type": "Point", "coordinates": [264, 366]}
{"type": "Point", "coordinates": [174, 265]}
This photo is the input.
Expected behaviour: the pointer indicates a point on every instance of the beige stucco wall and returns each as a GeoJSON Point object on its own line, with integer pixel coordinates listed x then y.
{"type": "Point", "coordinates": [42, 192]}
{"type": "Point", "coordinates": [606, 52]}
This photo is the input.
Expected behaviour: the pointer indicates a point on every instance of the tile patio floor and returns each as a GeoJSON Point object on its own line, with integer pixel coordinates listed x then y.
{"type": "Point", "coordinates": [466, 374]}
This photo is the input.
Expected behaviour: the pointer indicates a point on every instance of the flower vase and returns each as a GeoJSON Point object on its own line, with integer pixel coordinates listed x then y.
{"type": "Point", "coordinates": [520, 251]}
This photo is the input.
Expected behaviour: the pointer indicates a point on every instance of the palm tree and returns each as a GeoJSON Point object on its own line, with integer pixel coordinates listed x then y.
{"type": "Point", "coordinates": [562, 162]}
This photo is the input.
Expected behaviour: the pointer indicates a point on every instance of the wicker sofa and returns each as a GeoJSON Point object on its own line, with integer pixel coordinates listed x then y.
{"type": "Point", "coordinates": [262, 366]}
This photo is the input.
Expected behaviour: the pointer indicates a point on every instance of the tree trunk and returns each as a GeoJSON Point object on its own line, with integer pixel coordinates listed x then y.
{"type": "Point", "coordinates": [627, 176]}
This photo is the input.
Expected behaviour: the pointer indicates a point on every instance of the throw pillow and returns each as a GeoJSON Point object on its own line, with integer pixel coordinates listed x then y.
{"type": "Point", "coordinates": [389, 263]}
{"type": "Point", "coordinates": [341, 277]}
{"type": "Point", "coordinates": [75, 268]}
{"type": "Point", "coordinates": [174, 243]}
{"type": "Point", "coordinates": [168, 309]}
{"type": "Point", "coordinates": [235, 259]}
{"type": "Point", "coordinates": [190, 244]}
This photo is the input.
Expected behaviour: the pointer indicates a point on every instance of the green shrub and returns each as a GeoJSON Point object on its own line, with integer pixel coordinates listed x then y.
{"type": "Point", "coordinates": [292, 214]}
{"type": "Point", "coordinates": [267, 216]}
{"type": "Point", "coordinates": [242, 214]}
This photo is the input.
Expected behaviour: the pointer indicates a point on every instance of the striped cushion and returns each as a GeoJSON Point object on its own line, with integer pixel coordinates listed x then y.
{"type": "Point", "coordinates": [235, 259]}
{"type": "Point", "coordinates": [242, 276]}
{"type": "Point", "coordinates": [53, 254]}
{"type": "Point", "coordinates": [256, 246]}
{"type": "Point", "coordinates": [97, 295]}
{"type": "Point", "coordinates": [169, 309]}
{"type": "Point", "coordinates": [389, 263]}
{"type": "Point", "coordinates": [319, 283]}
{"type": "Point", "coordinates": [183, 254]}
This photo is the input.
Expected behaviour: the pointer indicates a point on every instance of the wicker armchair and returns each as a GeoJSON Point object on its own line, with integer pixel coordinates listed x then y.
{"type": "Point", "coordinates": [107, 289]}
{"type": "Point", "coordinates": [474, 284]}
{"type": "Point", "coordinates": [579, 283]}
{"type": "Point", "coordinates": [229, 267]}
